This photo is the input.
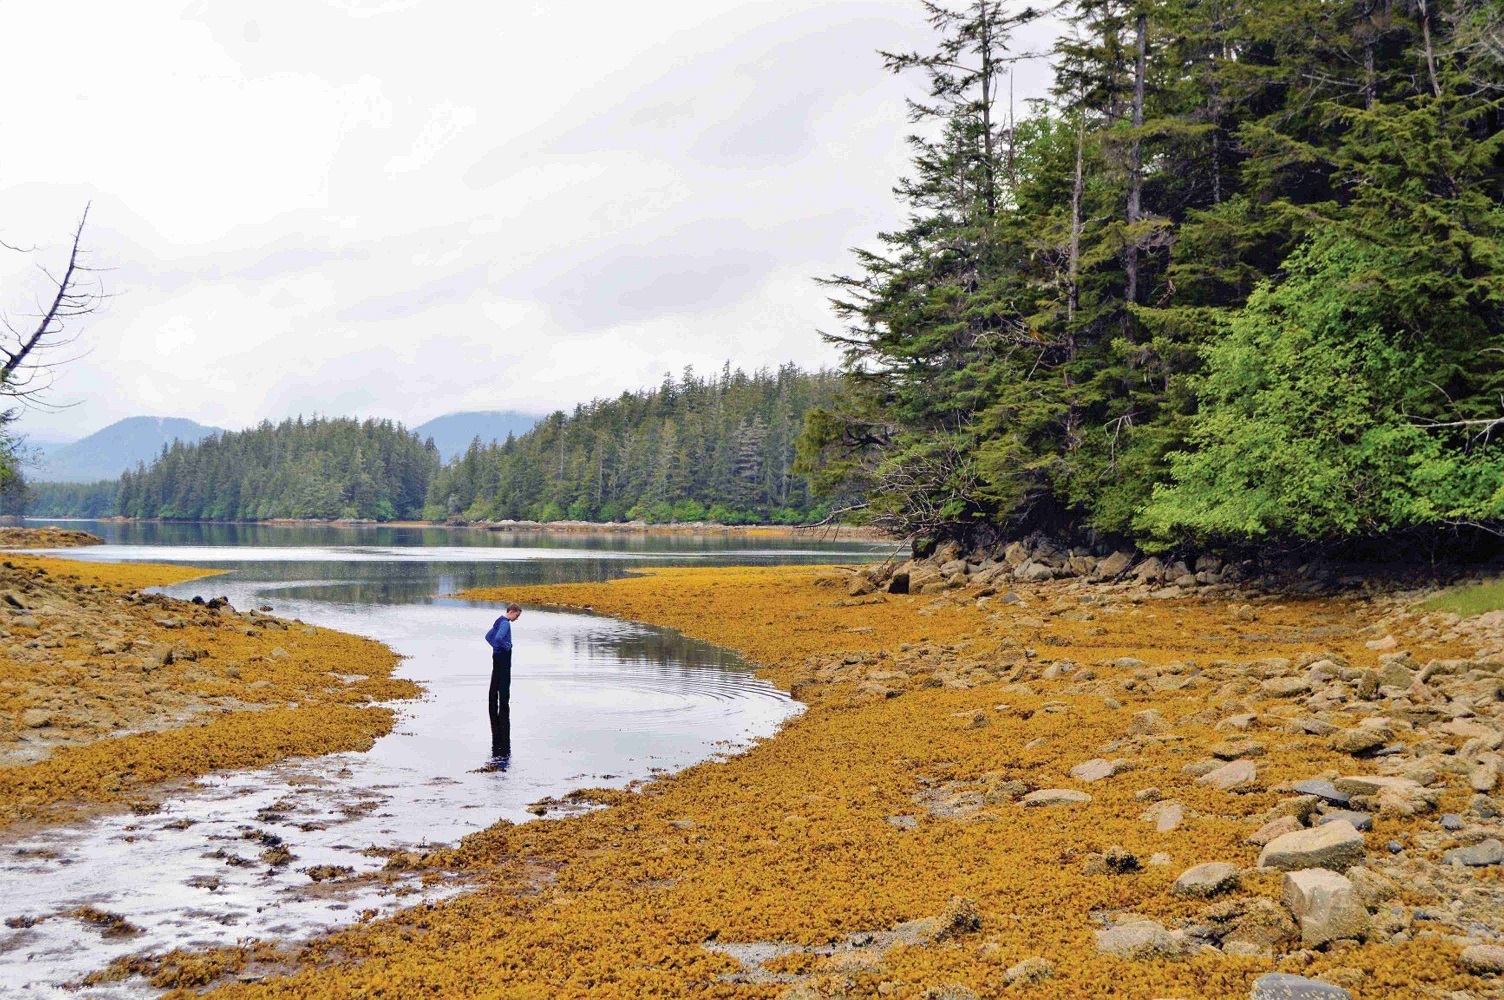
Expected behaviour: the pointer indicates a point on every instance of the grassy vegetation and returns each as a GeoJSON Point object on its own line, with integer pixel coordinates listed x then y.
{"type": "Point", "coordinates": [1473, 599]}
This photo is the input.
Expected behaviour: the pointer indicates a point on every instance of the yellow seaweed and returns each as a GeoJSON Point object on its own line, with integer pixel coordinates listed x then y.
{"type": "Point", "coordinates": [789, 841]}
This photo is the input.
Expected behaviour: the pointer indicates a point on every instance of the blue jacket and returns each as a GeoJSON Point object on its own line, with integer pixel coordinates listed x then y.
{"type": "Point", "coordinates": [500, 635]}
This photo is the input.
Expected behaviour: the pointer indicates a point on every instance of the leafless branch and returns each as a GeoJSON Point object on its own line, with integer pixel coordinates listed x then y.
{"type": "Point", "coordinates": [1486, 423]}
{"type": "Point", "coordinates": [30, 357]}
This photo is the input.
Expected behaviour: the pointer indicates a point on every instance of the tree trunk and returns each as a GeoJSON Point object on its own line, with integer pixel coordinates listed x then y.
{"type": "Point", "coordinates": [1135, 156]}
{"type": "Point", "coordinates": [1425, 30]}
{"type": "Point", "coordinates": [1370, 80]}
{"type": "Point", "coordinates": [987, 73]}
{"type": "Point", "coordinates": [1073, 301]}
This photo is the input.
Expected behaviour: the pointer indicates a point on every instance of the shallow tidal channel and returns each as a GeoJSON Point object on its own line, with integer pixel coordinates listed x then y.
{"type": "Point", "coordinates": [596, 702]}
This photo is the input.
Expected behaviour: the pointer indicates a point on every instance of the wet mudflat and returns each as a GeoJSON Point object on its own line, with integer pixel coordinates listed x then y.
{"type": "Point", "coordinates": [287, 851]}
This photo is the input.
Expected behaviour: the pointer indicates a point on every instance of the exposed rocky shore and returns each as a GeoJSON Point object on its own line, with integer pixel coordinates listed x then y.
{"type": "Point", "coordinates": [1038, 559]}
{"type": "Point", "coordinates": [45, 538]}
{"type": "Point", "coordinates": [106, 691]}
{"type": "Point", "coordinates": [1060, 788]}
{"type": "Point", "coordinates": [1054, 789]}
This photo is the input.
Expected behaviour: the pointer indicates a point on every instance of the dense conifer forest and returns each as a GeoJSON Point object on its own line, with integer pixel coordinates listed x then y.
{"type": "Point", "coordinates": [320, 468]}
{"type": "Point", "coordinates": [63, 499]}
{"type": "Point", "coordinates": [696, 448]}
{"type": "Point", "coordinates": [1241, 278]}
{"type": "Point", "coordinates": [716, 448]}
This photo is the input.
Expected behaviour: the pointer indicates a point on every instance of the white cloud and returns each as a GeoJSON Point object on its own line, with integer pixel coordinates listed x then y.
{"type": "Point", "coordinates": [404, 209]}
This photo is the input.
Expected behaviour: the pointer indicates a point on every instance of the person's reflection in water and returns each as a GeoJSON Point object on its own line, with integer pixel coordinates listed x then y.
{"type": "Point", "coordinates": [501, 741]}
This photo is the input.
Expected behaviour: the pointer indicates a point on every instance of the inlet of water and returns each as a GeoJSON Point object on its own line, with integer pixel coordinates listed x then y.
{"type": "Point", "coordinates": [596, 702]}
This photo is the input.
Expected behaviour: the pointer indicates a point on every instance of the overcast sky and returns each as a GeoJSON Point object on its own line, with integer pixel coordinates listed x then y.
{"type": "Point", "coordinates": [408, 208]}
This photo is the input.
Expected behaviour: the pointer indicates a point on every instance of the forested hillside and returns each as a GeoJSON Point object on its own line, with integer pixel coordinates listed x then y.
{"type": "Point", "coordinates": [1240, 278]}
{"type": "Point", "coordinates": [320, 468]}
{"type": "Point", "coordinates": [693, 449]}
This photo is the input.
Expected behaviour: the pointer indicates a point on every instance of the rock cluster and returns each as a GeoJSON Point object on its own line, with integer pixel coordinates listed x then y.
{"type": "Point", "coordinates": [1408, 729]}
{"type": "Point", "coordinates": [1038, 560]}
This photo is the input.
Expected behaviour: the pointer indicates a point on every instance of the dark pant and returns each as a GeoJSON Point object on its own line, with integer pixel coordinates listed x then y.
{"type": "Point", "coordinates": [499, 699]}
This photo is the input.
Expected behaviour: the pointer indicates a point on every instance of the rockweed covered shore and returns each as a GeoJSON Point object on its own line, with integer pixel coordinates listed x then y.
{"type": "Point", "coordinates": [1059, 791]}
{"type": "Point", "coordinates": [106, 692]}
{"type": "Point", "coordinates": [46, 538]}
{"type": "Point", "coordinates": [1038, 559]}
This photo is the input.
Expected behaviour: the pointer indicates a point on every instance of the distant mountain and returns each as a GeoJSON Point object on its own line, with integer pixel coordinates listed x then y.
{"type": "Point", "coordinates": [107, 453]}
{"type": "Point", "coordinates": [453, 432]}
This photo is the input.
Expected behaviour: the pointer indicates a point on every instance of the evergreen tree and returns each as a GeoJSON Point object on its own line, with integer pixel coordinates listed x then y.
{"type": "Point", "coordinates": [694, 448]}
{"type": "Point", "coordinates": [1059, 336]}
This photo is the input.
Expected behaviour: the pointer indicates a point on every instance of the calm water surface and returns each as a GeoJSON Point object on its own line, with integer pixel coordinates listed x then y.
{"type": "Point", "coordinates": [595, 702]}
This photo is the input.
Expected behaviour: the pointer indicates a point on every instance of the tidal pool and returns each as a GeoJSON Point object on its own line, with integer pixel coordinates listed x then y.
{"type": "Point", "coordinates": [595, 702]}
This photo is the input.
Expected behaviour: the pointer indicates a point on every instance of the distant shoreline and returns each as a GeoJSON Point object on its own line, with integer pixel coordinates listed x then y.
{"type": "Point", "coordinates": [846, 531]}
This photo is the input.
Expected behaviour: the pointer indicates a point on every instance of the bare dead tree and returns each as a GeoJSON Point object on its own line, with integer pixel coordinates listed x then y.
{"type": "Point", "coordinates": [31, 349]}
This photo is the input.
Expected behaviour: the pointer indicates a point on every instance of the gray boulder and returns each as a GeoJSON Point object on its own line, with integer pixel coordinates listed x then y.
{"type": "Point", "coordinates": [1360, 820]}
{"type": "Point", "coordinates": [1100, 769]}
{"type": "Point", "coordinates": [1030, 970]}
{"type": "Point", "coordinates": [1055, 797]}
{"type": "Point", "coordinates": [1284, 687]}
{"type": "Point", "coordinates": [1141, 940]}
{"type": "Point", "coordinates": [1324, 790]}
{"type": "Point", "coordinates": [1480, 855]}
{"type": "Point", "coordinates": [1114, 565]}
{"type": "Point", "coordinates": [1034, 572]}
{"type": "Point", "coordinates": [1483, 959]}
{"type": "Point", "coordinates": [1283, 986]}
{"type": "Point", "coordinates": [1205, 881]}
{"type": "Point", "coordinates": [1327, 906]}
{"type": "Point", "coordinates": [1234, 776]}
{"type": "Point", "coordinates": [1335, 846]}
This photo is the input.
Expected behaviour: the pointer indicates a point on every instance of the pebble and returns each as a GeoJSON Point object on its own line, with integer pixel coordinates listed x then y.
{"type": "Point", "coordinates": [1395, 847]}
{"type": "Point", "coordinates": [1283, 986]}
{"type": "Point", "coordinates": [1451, 821]}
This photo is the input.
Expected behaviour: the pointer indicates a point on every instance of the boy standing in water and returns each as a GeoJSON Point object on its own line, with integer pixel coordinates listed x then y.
{"type": "Point", "coordinates": [498, 700]}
